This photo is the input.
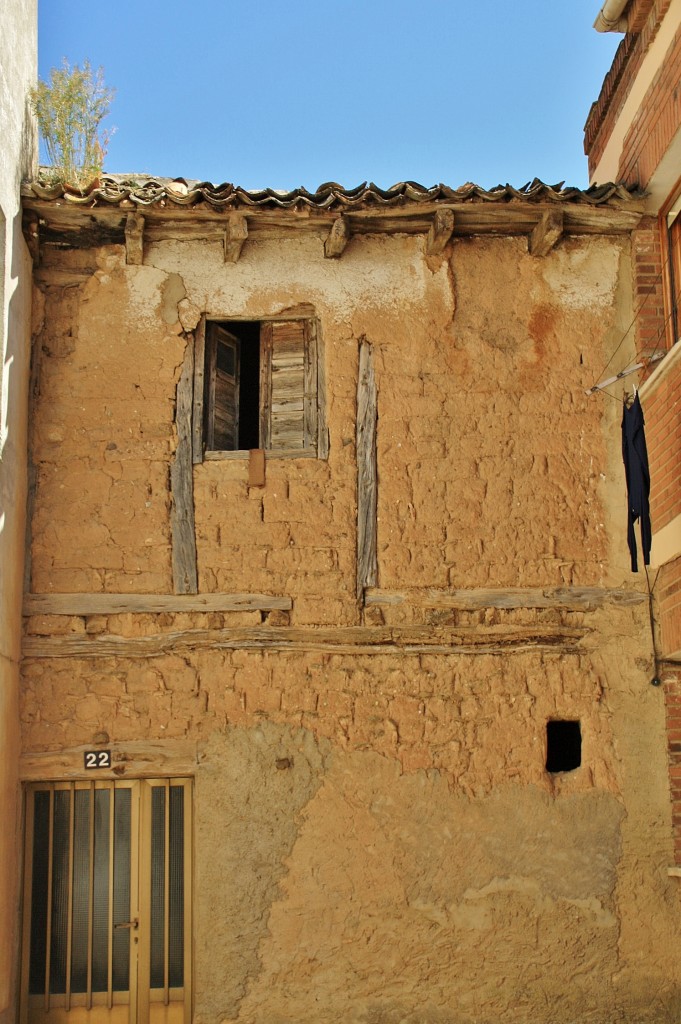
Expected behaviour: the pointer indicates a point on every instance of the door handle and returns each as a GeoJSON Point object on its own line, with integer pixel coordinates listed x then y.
{"type": "Point", "coordinates": [127, 924]}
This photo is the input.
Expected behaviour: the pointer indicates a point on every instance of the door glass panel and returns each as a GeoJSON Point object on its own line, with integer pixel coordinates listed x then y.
{"type": "Point", "coordinates": [81, 881]}
{"type": "Point", "coordinates": [60, 889]}
{"type": "Point", "coordinates": [158, 835]}
{"type": "Point", "coordinates": [121, 890]}
{"type": "Point", "coordinates": [176, 924]}
{"type": "Point", "coordinates": [167, 908]}
{"type": "Point", "coordinates": [41, 830]}
{"type": "Point", "coordinates": [100, 894]}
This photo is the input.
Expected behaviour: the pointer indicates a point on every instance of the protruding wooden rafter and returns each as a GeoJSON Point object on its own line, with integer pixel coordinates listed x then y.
{"type": "Point", "coordinates": [546, 233]}
{"type": "Point", "coordinates": [32, 236]}
{"type": "Point", "coordinates": [337, 239]}
{"type": "Point", "coordinates": [441, 230]}
{"type": "Point", "coordinates": [134, 239]}
{"type": "Point", "coordinates": [236, 234]}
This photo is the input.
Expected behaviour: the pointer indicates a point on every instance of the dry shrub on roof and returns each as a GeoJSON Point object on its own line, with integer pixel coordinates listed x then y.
{"type": "Point", "coordinates": [70, 109]}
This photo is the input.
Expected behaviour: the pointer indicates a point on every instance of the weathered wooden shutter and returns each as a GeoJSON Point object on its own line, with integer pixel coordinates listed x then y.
{"type": "Point", "coordinates": [223, 365]}
{"type": "Point", "coordinates": [288, 385]}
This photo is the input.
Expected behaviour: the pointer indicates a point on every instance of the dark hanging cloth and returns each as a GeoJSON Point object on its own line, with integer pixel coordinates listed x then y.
{"type": "Point", "coordinates": [637, 473]}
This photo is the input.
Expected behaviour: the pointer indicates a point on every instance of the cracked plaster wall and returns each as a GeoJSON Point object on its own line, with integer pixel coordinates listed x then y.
{"type": "Point", "coordinates": [414, 862]}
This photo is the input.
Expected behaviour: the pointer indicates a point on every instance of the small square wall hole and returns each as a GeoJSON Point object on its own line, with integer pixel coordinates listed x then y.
{"type": "Point", "coordinates": [563, 746]}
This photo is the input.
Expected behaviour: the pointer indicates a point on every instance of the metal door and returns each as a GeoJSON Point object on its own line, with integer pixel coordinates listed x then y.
{"type": "Point", "coordinates": [107, 922]}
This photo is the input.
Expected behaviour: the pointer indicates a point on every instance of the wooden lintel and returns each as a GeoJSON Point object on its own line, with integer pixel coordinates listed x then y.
{"type": "Point", "coordinates": [475, 599]}
{"type": "Point", "coordinates": [134, 239]}
{"type": "Point", "coordinates": [114, 604]}
{"type": "Point", "coordinates": [337, 239]}
{"type": "Point", "coordinates": [236, 234]}
{"type": "Point", "coordinates": [130, 759]}
{"type": "Point", "coordinates": [351, 640]}
{"type": "Point", "coordinates": [441, 229]}
{"type": "Point", "coordinates": [546, 233]}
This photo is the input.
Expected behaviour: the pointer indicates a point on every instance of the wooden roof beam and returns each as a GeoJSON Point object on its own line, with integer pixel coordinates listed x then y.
{"type": "Point", "coordinates": [441, 230]}
{"type": "Point", "coordinates": [337, 239]}
{"type": "Point", "coordinates": [235, 236]}
{"type": "Point", "coordinates": [546, 233]}
{"type": "Point", "coordinates": [134, 239]}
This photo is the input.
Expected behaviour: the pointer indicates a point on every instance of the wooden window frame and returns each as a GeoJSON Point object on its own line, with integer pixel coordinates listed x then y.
{"type": "Point", "coordinates": [670, 231]}
{"type": "Point", "coordinates": [315, 433]}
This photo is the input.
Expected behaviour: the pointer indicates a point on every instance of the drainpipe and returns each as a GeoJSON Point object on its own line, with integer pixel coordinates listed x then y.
{"type": "Point", "coordinates": [610, 17]}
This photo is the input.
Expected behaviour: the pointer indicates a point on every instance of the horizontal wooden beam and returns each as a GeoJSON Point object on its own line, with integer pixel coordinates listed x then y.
{"type": "Point", "coordinates": [337, 239]}
{"type": "Point", "coordinates": [511, 597]}
{"type": "Point", "coordinates": [157, 758]}
{"type": "Point", "coordinates": [134, 239]}
{"type": "Point", "coordinates": [344, 640]}
{"type": "Point", "coordinates": [440, 232]}
{"type": "Point", "coordinates": [236, 234]}
{"type": "Point", "coordinates": [114, 604]}
{"type": "Point", "coordinates": [546, 233]}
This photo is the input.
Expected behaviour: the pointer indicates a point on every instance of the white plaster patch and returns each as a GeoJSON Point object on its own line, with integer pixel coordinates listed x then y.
{"type": "Point", "coordinates": [584, 277]}
{"type": "Point", "coordinates": [144, 289]}
{"type": "Point", "coordinates": [381, 274]}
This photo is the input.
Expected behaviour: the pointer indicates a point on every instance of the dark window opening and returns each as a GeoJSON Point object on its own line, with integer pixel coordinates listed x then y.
{"type": "Point", "coordinates": [563, 746]}
{"type": "Point", "coordinates": [248, 336]}
{"type": "Point", "coordinates": [259, 386]}
{"type": "Point", "coordinates": [232, 385]}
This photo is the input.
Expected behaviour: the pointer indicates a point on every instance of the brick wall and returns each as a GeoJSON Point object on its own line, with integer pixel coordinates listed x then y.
{"type": "Point", "coordinates": [656, 121]}
{"type": "Point", "coordinates": [619, 80]}
{"type": "Point", "coordinates": [668, 591]}
{"type": "Point", "coordinates": [648, 286]}
{"type": "Point", "coordinates": [663, 436]}
{"type": "Point", "coordinates": [638, 14]}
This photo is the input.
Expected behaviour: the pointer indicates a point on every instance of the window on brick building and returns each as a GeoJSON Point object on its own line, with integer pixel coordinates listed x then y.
{"type": "Point", "coordinates": [674, 277]}
{"type": "Point", "coordinates": [257, 385]}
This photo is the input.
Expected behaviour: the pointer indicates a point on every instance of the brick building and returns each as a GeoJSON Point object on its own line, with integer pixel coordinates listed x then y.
{"type": "Point", "coordinates": [336, 696]}
{"type": "Point", "coordinates": [633, 135]}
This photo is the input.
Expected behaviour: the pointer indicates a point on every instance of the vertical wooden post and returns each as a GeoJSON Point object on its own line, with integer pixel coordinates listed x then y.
{"type": "Point", "coordinates": [367, 418]}
{"type": "Point", "coordinates": [185, 580]}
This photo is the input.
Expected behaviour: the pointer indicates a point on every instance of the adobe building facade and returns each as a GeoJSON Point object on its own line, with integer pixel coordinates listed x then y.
{"type": "Point", "coordinates": [336, 696]}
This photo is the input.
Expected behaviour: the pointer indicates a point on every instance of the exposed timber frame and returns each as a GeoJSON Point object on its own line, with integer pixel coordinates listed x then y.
{"type": "Point", "coordinates": [185, 576]}
{"type": "Point", "coordinates": [367, 473]}
{"type": "Point", "coordinates": [352, 640]}
{"type": "Point", "coordinates": [115, 604]}
{"type": "Point", "coordinates": [477, 599]}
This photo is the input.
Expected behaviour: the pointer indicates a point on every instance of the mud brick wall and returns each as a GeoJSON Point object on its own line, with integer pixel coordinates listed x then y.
{"type": "Point", "coordinates": [376, 837]}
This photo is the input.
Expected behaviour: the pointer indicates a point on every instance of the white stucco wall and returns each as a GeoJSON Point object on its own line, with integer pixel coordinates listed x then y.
{"type": "Point", "coordinates": [18, 70]}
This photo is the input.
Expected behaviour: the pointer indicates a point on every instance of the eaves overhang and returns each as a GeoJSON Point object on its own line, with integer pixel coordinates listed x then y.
{"type": "Point", "coordinates": [181, 209]}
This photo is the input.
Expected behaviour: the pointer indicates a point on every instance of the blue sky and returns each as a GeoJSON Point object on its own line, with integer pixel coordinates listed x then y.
{"type": "Point", "coordinates": [265, 94]}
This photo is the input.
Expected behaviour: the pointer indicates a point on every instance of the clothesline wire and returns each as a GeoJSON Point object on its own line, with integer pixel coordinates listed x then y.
{"type": "Point", "coordinates": [660, 335]}
{"type": "Point", "coordinates": [641, 357]}
{"type": "Point", "coordinates": [635, 316]}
